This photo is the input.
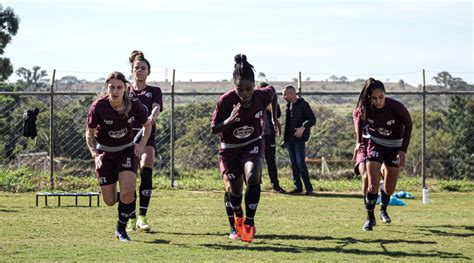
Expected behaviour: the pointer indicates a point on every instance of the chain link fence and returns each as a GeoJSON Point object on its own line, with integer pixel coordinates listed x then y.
{"type": "Point", "coordinates": [448, 127]}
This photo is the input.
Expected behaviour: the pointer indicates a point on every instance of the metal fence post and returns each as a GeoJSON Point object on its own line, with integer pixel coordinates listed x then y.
{"type": "Point", "coordinates": [299, 83]}
{"type": "Point", "coordinates": [423, 132]}
{"type": "Point", "coordinates": [172, 128]}
{"type": "Point", "coordinates": [51, 131]}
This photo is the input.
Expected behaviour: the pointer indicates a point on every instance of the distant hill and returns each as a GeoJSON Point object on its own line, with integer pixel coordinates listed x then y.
{"type": "Point", "coordinates": [223, 86]}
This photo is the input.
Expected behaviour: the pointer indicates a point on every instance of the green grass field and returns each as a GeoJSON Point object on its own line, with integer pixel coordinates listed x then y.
{"type": "Point", "coordinates": [192, 226]}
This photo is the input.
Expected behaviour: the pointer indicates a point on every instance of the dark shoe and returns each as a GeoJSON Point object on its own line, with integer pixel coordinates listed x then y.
{"type": "Point", "coordinates": [369, 225]}
{"type": "Point", "coordinates": [385, 218]}
{"type": "Point", "coordinates": [122, 235]}
{"type": "Point", "coordinates": [296, 191]}
{"type": "Point", "coordinates": [278, 189]}
{"type": "Point", "coordinates": [310, 193]}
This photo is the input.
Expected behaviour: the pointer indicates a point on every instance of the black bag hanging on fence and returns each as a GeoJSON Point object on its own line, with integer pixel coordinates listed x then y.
{"type": "Point", "coordinates": [29, 123]}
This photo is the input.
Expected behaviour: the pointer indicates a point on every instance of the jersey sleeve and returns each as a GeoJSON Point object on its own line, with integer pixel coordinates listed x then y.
{"type": "Point", "coordinates": [139, 111]}
{"type": "Point", "coordinates": [92, 118]}
{"type": "Point", "coordinates": [220, 113]}
{"type": "Point", "coordinates": [158, 97]}
{"type": "Point", "coordinates": [357, 117]}
{"type": "Point", "coordinates": [404, 115]}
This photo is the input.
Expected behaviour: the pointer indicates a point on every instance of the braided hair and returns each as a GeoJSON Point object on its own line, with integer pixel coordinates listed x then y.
{"type": "Point", "coordinates": [243, 69]}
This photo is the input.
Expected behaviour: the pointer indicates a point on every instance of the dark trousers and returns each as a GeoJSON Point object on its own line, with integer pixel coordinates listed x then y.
{"type": "Point", "coordinates": [270, 152]}
{"type": "Point", "coordinates": [297, 154]}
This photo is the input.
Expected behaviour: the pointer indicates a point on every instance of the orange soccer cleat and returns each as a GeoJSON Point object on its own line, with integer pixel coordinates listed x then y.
{"type": "Point", "coordinates": [247, 233]}
{"type": "Point", "coordinates": [239, 224]}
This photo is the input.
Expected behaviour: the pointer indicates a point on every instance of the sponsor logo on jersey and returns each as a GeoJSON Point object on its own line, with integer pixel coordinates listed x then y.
{"type": "Point", "coordinates": [258, 114]}
{"type": "Point", "coordinates": [384, 132]}
{"type": "Point", "coordinates": [118, 134]}
{"type": "Point", "coordinates": [396, 162]}
{"type": "Point", "coordinates": [237, 119]}
{"type": "Point", "coordinates": [128, 163]}
{"type": "Point", "coordinates": [243, 132]}
{"type": "Point", "coordinates": [390, 122]}
{"type": "Point", "coordinates": [148, 95]}
{"type": "Point", "coordinates": [230, 176]}
{"type": "Point", "coordinates": [131, 119]}
{"type": "Point", "coordinates": [109, 122]}
{"type": "Point", "coordinates": [254, 150]}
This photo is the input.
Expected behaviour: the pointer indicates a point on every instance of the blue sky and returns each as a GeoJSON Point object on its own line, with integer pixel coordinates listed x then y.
{"type": "Point", "coordinates": [386, 39]}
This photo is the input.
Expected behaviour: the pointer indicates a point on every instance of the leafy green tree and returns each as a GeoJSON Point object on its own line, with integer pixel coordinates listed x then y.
{"type": "Point", "coordinates": [32, 78]}
{"type": "Point", "coordinates": [9, 23]}
{"type": "Point", "coordinates": [461, 118]}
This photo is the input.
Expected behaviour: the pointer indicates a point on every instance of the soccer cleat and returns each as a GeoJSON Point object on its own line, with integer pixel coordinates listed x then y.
{"type": "Point", "coordinates": [247, 233]}
{"type": "Point", "coordinates": [122, 236]}
{"type": "Point", "coordinates": [132, 224]}
{"type": "Point", "coordinates": [238, 225]}
{"type": "Point", "coordinates": [142, 224]}
{"type": "Point", "coordinates": [369, 225]}
{"type": "Point", "coordinates": [385, 218]}
{"type": "Point", "coordinates": [233, 235]}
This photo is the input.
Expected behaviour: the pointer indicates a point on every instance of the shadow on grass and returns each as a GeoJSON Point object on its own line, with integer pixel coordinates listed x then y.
{"type": "Point", "coordinates": [8, 211]}
{"type": "Point", "coordinates": [299, 249]}
{"type": "Point", "coordinates": [326, 194]}
{"type": "Point", "coordinates": [446, 233]}
{"type": "Point", "coordinates": [156, 241]}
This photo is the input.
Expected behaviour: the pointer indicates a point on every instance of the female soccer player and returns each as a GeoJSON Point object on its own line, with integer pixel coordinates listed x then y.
{"type": "Point", "coordinates": [383, 131]}
{"type": "Point", "coordinates": [152, 98]}
{"type": "Point", "coordinates": [109, 122]}
{"type": "Point", "coordinates": [238, 118]}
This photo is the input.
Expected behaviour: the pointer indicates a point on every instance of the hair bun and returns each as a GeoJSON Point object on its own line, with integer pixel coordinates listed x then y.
{"type": "Point", "coordinates": [136, 54]}
{"type": "Point", "coordinates": [240, 59]}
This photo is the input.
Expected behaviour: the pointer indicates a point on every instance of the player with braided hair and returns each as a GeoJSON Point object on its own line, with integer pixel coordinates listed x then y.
{"type": "Point", "coordinates": [238, 118]}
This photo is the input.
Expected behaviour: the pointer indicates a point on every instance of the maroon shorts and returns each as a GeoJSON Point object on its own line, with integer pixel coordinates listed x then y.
{"type": "Point", "coordinates": [361, 158]}
{"type": "Point", "coordinates": [151, 140]}
{"type": "Point", "coordinates": [231, 161]}
{"type": "Point", "coordinates": [383, 154]}
{"type": "Point", "coordinates": [114, 163]}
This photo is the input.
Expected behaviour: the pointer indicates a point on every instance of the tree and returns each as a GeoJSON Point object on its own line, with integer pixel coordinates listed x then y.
{"type": "Point", "coordinates": [401, 84]}
{"type": "Point", "coordinates": [443, 79]}
{"type": "Point", "coordinates": [308, 78]}
{"type": "Point", "coordinates": [262, 76]}
{"type": "Point", "coordinates": [343, 79]}
{"type": "Point", "coordinates": [33, 77]}
{"type": "Point", "coordinates": [333, 78]}
{"type": "Point", "coordinates": [8, 27]}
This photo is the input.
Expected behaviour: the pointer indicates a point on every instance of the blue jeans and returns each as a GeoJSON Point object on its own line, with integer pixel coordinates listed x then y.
{"type": "Point", "coordinates": [297, 154]}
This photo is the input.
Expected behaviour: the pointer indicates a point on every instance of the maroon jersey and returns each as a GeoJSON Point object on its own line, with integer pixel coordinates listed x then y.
{"type": "Point", "coordinates": [111, 129]}
{"type": "Point", "coordinates": [389, 126]}
{"type": "Point", "coordinates": [249, 123]}
{"type": "Point", "coordinates": [147, 97]}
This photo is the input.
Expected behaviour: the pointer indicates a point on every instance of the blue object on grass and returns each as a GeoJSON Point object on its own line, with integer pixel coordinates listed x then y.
{"type": "Point", "coordinates": [403, 194]}
{"type": "Point", "coordinates": [396, 202]}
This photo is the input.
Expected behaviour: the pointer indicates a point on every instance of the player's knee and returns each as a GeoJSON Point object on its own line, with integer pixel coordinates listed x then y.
{"type": "Point", "coordinates": [109, 201]}
{"type": "Point", "coordinates": [372, 189]}
{"type": "Point", "coordinates": [126, 197]}
{"type": "Point", "coordinates": [254, 179]}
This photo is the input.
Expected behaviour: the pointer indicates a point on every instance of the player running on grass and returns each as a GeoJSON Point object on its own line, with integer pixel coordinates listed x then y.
{"type": "Point", "coordinates": [152, 98]}
{"type": "Point", "coordinates": [383, 131]}
{"type": "Point", "coordinates": [238, 118]}
{"type": "Point", "coordinates": [109, 123]}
